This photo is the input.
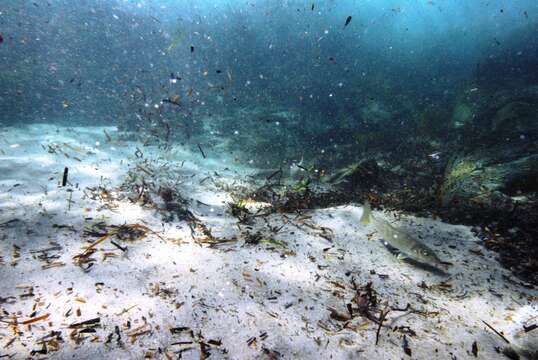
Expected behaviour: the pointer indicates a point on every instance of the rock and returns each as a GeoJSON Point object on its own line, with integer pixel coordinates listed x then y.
{"type": "Point", "coordinates": [489, 179]}
{"type": "Point", "coordinates": [515, 119]}
{"type": "Point", "coordinates": [375, 113]}
{"type": "Point", "coordinates": [462, 115]}
{"type": "Point", "coordinates": [498, 164]}
{"type": "Point", "coordinates": [490, 110]}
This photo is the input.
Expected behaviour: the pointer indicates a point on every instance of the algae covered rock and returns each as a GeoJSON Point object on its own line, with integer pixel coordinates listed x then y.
{"type": "Point", "coordinates": [489, 179]}
{"type": "Point", "coordinates": [499, 160]}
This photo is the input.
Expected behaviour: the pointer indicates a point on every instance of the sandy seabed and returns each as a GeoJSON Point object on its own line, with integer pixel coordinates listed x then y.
{"type": "Point", "coordinates": [166, 296]}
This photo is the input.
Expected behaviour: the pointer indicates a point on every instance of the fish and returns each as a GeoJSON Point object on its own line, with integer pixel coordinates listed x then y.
{"type": "Point", "coordinates": [312, 8]}
{"type": "Point", "coordinates": [348, 20]}
{"type": "Point", "coordinates": [1, 39]}
{"type": "Point", "coordinates": [408, 246]}
{"type": "Point", "coordinates": [436, 155]}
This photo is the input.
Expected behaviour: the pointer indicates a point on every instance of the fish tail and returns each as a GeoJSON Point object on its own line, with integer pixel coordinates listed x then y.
{"type": "Point", "coordinates": [366, 211]}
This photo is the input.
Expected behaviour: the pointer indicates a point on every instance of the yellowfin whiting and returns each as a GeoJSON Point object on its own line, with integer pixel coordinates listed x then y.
{"type": "Point", "coordinates": [402, 241]}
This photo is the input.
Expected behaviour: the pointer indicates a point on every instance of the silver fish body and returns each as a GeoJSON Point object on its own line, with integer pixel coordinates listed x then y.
{"type": "Point", "coordinates": [402, 241]}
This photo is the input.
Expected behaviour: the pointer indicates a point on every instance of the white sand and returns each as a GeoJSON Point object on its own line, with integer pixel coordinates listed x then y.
{"type": "Point", "coordinates": [235, 292]}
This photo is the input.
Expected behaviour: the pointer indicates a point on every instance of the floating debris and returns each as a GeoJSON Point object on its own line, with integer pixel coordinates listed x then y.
{"type": "Point", "coordinates": [128, 232]}
{"type": "Point", "coordinates": [474, 349]}
{"type": "Point", "coordinates": [405, 346]}
{"type": "Point", "coordinates": [64, 177]}
{"type": "Point", "coordinates": [15, 255]}
{"type": "Point", "coordinates": [173, 99]}
{"type": "Point", "coordinates": [49, 256]}
{"type": "Point", "coordinates": [80, 331]}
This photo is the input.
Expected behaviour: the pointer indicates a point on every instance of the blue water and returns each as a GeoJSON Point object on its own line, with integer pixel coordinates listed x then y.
{"type": "Point", "coordinates": [89, 58]}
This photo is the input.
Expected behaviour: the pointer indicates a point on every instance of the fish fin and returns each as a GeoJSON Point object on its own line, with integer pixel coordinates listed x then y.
{"type": "Point", "coordinates": [366, 211]}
